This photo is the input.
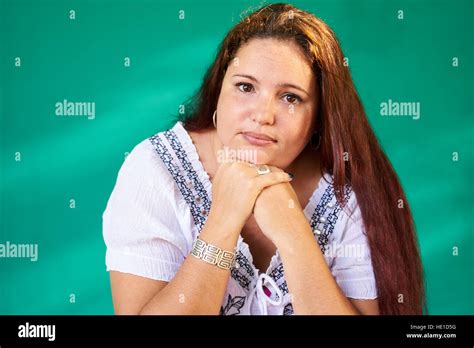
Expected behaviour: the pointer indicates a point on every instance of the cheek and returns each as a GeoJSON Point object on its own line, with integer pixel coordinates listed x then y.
{"type": "Point", "coordinates": [296, 130]}
{"type": "Point", "coordinates": [291, 146]}
{"type": "Point", "coordinates": [230, 95]}
{"type": "Point", "coordinates": [231, 114]}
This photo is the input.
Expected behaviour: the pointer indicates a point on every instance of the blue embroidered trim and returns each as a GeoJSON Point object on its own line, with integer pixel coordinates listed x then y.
{"type": "Point", "coordinates": [233, 306]}
{"type": "Point", "coordinates": [277, 274]}
{"type": "Point", "coordinates": [244, 272]}
{"type": "Point", "coordinates": [329, 222]}
{"type": "Point", "coordinates": [288, 310]}
{"type": "Point", "coordinates": [193, 177]}
{"type": "Point", "coordinates": [175, 172]}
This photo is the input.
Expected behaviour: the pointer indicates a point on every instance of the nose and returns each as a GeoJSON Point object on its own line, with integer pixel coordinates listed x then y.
{"type": "Point", "coordinates": [264, 112]}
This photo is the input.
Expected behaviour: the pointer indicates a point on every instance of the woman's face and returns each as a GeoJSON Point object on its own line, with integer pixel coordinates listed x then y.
{"type": "Point", "coordinates": [268, 92]}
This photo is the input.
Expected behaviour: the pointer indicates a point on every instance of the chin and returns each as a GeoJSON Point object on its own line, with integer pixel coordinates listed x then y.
{"type": "Point", "coordinates": [264, 158]}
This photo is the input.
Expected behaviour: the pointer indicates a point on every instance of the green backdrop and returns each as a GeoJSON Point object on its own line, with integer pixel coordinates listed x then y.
{"type": "Point", "coordinates": [420, 55]}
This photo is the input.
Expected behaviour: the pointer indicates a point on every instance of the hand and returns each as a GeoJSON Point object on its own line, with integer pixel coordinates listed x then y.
{"type": "Point", "coordinates": [277, 212]}
{"type": "Point", "coordinates": [235, 188]}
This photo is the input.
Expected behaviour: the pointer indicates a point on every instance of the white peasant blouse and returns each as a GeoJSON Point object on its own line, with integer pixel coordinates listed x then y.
{"type": "Point", "coordinates": [160, 203]}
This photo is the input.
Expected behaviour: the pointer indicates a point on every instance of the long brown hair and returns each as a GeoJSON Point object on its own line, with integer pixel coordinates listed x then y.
{"type": "Point", "coordinates": [345, 130]}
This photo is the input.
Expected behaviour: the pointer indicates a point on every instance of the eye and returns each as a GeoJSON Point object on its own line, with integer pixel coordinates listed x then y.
{"type": "Point", "coordinates": [292, 98]}
{"type": "Point", "coordinates": [245, 87]}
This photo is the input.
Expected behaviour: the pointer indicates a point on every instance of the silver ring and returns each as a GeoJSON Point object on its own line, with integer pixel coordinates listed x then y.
{"type": "Point", "coordinates": [263, 169]}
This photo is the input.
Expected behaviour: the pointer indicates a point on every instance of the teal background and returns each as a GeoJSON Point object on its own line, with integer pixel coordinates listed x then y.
{"type": "Point", "coordinates": [65, 158]}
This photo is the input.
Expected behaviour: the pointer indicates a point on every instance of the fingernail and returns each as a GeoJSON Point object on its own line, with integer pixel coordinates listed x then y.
{"type": "Point", "coordinates": [291, 176]}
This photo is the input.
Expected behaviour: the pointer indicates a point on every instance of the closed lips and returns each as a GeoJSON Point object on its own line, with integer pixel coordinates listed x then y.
{"type": "Point", "coordinates": [260, 136]}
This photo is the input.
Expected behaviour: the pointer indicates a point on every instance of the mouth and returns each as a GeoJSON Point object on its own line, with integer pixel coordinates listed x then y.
{"type": "Point", "coordinates": [258, 139]}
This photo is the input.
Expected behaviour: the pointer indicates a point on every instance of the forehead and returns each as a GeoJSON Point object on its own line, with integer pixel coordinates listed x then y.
{"type": "Point", "coordinates": [273, 59]}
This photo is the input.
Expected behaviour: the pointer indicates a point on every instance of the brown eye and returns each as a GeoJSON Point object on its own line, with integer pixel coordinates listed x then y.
{"type": "Point", "coordinates": [292, 98]}
{"type": "Point", "coordinates": [245, 87]}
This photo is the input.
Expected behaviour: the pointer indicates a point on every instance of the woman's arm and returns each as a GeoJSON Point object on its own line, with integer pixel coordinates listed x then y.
{"type": "Point", "coordinates": [314, 289]}
{"type": "Point", "coordinates": [309, 279]}
{"type": "Point", "coordinates": [197, 288]}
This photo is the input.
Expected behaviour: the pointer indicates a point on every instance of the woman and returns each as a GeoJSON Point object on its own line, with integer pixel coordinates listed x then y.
{"type": "Point", "coordinates": [278, 140]}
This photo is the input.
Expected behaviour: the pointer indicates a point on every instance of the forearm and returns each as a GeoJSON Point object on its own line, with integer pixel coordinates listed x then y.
{"type": "Point", "coordinates": [198, 287]}
{"type": "Point", "coordinates": [313, 287]}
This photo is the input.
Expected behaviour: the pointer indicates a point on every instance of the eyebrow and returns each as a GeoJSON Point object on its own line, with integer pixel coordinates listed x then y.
{"type": "Point", "coordinates": [280, 84]}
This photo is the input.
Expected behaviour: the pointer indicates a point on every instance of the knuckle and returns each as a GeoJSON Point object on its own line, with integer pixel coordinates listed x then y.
{"type": "Point", "coordinates": [276, 169]}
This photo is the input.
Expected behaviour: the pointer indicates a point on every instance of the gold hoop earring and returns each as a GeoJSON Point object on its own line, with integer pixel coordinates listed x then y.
{"type": "Point", "coordinates": [214, 119]}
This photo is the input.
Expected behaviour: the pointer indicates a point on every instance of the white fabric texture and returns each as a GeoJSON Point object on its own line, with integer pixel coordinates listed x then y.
{"type": "Point", "coordinates": [160, 202]}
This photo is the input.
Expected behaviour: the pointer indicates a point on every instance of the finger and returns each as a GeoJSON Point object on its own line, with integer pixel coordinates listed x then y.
{"type": "Point", "coordinates": [275, 169]}
{"type": "Point", "coordinates": [273, 178]}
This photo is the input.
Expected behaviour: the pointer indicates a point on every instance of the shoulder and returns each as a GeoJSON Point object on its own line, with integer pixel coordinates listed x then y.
{"type": "Point", "coordinates": [143, 183]}
{"type": "Point", "coordinates": [144, 163]}
{"type": "Point", "coordinates": [153, 162]}
{"type": "Point", "coordinates": [144, 203]}
{"type": "Point", "coordinates": [350, 241]}
{"type": "Point", "coordinates": [349, 255]}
